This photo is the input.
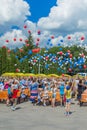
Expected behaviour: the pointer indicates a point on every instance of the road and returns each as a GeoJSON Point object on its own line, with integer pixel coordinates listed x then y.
{"type": "Point", "coordinates": [29, 117]}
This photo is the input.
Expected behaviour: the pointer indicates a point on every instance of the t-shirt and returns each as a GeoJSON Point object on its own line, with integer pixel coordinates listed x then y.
{"type": "Point", "coordinates": [15, 91]}
{"type": "Point", "coordinates": [61, 90]}
{"type": "Point", "coordinates": [68, 93]}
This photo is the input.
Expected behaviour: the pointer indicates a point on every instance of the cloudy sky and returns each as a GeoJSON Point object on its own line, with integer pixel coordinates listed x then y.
{"type": "Point", "coordinates": [57, 18]}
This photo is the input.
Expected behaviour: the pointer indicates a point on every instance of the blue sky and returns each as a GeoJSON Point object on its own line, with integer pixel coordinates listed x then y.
{"type": "Point", "coordinates": [60, 18]}
{"type": "Point", "coordinates": [40, 8]}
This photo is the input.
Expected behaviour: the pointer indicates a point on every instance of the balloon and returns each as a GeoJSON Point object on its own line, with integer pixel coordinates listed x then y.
{"type": "Point", "coordinates": [61, 53]}
{"type": "Point", "coordinates": [14, 39]}
{"type": "Point", "coordinates": [69, 69]}
{"type": "Point", "coordinates": [37, 44]}
{"type": "Point", "coordinates": [34, 60]}
{"type": "Point", "coordinates": [51, 44]}
{"type": "Point", "coordinates": [63, 75]}
{"type": "Point", "coordinates": [82, 38]}
{"type": "Point", "coordinates": [25, 26]}
{"type": "Point", "coordinates": [4, 47]}
{"type": "Point", "coordinates": [82, 55]}
{"type": "Point", "coordinates": [39, 32]}
{"type": "Point", "coordinates": [9, 51]}
{"type": "Point", "coordinates": [49, 40]}
{"type": "Point", "coordinates": [21, 50]}
{"type": "Point", "coordinates": [84, 66]}
{"type": "Point", "coordinates": [60, 49]}
{"type": "Point", "coordinates": [16, 57]}
{"type": "Point", "coordinates": [52, 37]}
{"type": "Point", "coordinates": [36, 50]}
{"type": "Point", "coordinates": [38, 39]}
{"type": "Point", "coordinates": [30, 52]}
{"type": "Point", "coordinates": [68, 51]}
{"type": "Point", "coordinates": [70, 55]}
{"type": "Point", "coordinates": [69, 37]}
{"type": "Point", "coordinates": [29, 31]}
{"type": "Point", "coordinates": [61, 40]}
{"type": "Point", "coordinates": [25, 57]}
{"type": "Point", "coordinates": [46, 57]}
{"type": "Point", "coordinates": [17, 70]}
{"type": "Point", "coordinates": [59, 44]}
{"type": "Point", "coordinates": [26, 41]}
{"type": "Point", "coordinates": [7, 41]}
{"type": "Point", "coordinates": [20, 39]}
{"type": "Point", "coordinates": [27, 44]}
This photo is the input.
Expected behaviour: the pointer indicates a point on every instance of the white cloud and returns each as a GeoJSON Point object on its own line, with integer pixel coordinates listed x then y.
{"type": "Point", "coordinates": [18, 34]}
{"type": "Point", "coordinates": [67, 16]}
{"type": "Point", "coordinates": [13, 12]}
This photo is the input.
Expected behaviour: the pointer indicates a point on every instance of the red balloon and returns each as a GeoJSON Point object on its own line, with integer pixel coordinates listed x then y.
{"type": "Point", "coordinates": [29, 31]}
{"type": "Point", "coordinates": [17, 70]}
{"type": "Point", "coordinates": [25, 26]}
{"type": "Point", "coordinates": [26, 41]}
{"type": "Point", "coordinates": [46, 57]}
{"type": "Point", "coordinates": [21, 50]}
{"type": "Point", "coordinates": [7, 41]}
{"type": "Point", "coordinates": [52, 37]}
{"type": "Point", "coordinates": [69, 69]}
{"type": "Point", "coordinates": [69, 37]}
{"type": "Point", "coordinates": [83, 38]}
{"type": "Point", "coordinates": [61, 53]}
{"type": "Point", "coordinates": [82, 55]}
{"type": "Point", "coordinates": [39, 32]}
{"type": "Point", "coordinates": [14, 39]}
{"type": "Point", "coordinates": [4, 47]}
{"type": "Point", "coordinates": [34, 60]}
{"type": "Point", "coordinates": [37, 44]}
{"type": "Point", "coordinates": [84, 66]}
{"type": "Point", "coordinates": [68, 51]}
{"type": "Point", "coordinates": [36, 50]}
{"type": "Point", "coordinates": [70, 55]}
{"type": "Point", "coordinates": [63, 75]}
{"type": "Point", "coordinates": [56, 58]}
{"type": "Point", "coordinates": [38, 39]}
{"type": "Point", "coordinates": [27, 44]}
{"type": "Point", "coordinates": [9, 51]}
{"type": "Point", "coordinates": [20, 39]}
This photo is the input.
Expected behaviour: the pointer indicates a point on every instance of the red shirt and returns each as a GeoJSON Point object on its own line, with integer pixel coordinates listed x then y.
{"type": "Point", "coordinates": [15, 91]}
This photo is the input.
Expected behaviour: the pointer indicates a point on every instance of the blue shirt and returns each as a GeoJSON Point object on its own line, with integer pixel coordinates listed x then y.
{"type": "Point", "coordinates": [62, 89]}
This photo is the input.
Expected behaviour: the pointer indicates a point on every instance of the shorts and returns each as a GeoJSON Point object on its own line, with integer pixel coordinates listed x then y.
{"type": "Point", "coordinates": [53, 95]}
{"type": "Point", "coordinates": [68, 100]}
{"type": "Point", "coordinates": [62, 95]}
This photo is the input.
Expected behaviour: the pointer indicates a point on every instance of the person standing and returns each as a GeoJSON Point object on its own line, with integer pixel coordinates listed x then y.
{"type": "Point", "coordinates": [68, 91]}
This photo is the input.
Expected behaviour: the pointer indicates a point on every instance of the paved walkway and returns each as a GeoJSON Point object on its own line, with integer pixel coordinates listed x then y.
{"type": "Point", "coordinates": [29, 117]}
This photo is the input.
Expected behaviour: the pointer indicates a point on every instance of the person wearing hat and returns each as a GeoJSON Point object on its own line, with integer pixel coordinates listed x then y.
{"type": "Point", "coordinates": [68, 91]}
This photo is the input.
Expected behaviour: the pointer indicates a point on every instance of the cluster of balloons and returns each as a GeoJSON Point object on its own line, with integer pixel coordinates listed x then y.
{"type": "Point", "coordinates": [60, 58]}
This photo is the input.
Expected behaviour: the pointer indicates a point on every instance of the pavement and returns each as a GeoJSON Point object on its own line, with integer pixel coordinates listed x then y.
{"type": "Point", "coordinates": [29, 117]}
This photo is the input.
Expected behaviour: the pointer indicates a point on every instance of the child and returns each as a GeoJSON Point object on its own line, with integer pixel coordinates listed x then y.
{"type": "Point", "coordinates": [62, 87]}
{"type": "Point", "coordinates": [68, 97]}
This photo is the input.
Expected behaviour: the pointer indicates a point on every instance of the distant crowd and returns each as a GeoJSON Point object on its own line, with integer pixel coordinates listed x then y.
{"type": "Point", "coordinates": [43, 91]}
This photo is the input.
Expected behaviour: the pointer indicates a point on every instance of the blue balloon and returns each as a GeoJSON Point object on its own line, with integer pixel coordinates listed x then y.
{"type": "Point", "coordinates": [51, 44]}
{"type": "Point", "coordinates": [59, 44]}
{"type": "Point", "coordinates": [60, 49]}
{"type": "Point", "coordinates": [46, 66]}
{"type": "Point", "coordinates": [80, 67]}
{"type": "Point", "coordinates": [61, 40]}
{"type": "Point", "coordinates": [21, 60]}
{"type": "Point", "coordinates": [16, 57]}
{"type": "Point", "coordinates": [25, 57]}
{"type": "Point", "coordinates": [50, 55]}
{"type": "Point", "coordinates": [30, 52]}
{"type": "Point", "coordinates": [49, 39]}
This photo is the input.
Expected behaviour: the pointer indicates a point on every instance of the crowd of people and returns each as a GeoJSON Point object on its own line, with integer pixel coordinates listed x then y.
{"type": "Point", "coordinates": [43, 91]}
